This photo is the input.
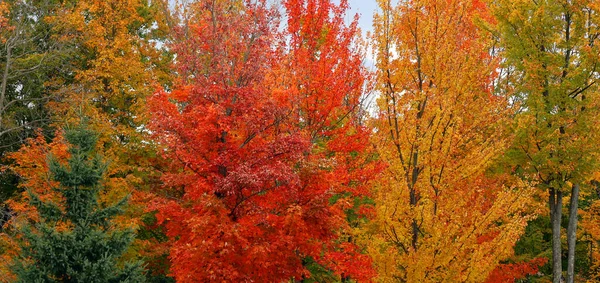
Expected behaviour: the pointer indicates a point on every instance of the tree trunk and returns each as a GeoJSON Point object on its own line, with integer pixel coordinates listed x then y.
{"type": "Point", "coordinates": [4, 81]}
{"type": "Point", "coordinates": [572, 233]}
{"type": "Point", "coordinates": [555, 201]}
{"type": "Point", "coordinates": [414, 199]}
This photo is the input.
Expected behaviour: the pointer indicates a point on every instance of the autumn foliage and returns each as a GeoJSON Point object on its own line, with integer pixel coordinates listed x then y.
{"type": "Point", "coordinates": [441, 217]}
{"type": "Point", "coordinates": [510, 272]}
{"type": "Point", "coordinates": [3, 15]}
{"type": "Point", "coordinates": [264, 138]}
{"type": "Point", "coordinates": [274, 141]}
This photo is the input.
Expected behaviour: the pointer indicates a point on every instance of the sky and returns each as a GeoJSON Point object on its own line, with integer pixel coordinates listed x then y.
{"type": "Point", "coordinates": [365, 9]}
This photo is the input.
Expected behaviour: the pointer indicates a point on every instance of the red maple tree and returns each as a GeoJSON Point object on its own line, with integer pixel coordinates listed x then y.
{"type": "Point", "coordinates": [268, 149]}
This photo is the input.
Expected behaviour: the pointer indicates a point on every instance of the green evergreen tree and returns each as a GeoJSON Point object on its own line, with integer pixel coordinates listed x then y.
{"type": "Point", "coordinates": [90, 248]}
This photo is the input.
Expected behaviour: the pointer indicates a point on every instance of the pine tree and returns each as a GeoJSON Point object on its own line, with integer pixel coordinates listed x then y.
{"type": "Point", "coordinates": [75, 241]}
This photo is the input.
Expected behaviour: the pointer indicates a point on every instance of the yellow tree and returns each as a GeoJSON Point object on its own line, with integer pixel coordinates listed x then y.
{"type": "Point", "coordinates": [118, 64]}
{"type": "Point", "coordinates": [441, 218]}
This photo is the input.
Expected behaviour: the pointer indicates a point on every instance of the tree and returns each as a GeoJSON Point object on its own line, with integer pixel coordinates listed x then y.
{"type": "Point", "coordinates": [442, 216]}
{"type": "Point", "coordinates": [552, 51]}
{"type": "Point", "coordinates": [96, 58]}
{"type": "Point", "coordinates": [31, 57]}
{"type": "Point", "coordinates": [260, 184]}
{"type": "Point", "coordinates": [32, 60]}
{"type": "Point", "coordinates": [326, 84]}
{"type": "Point", "coordinates": [118, 64]}
{"type": "Point", "coordinates": [75, 239]}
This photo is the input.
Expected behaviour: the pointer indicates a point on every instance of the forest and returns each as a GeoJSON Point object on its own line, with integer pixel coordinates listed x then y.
{"type": "Point", "coordinates": [276, 141]}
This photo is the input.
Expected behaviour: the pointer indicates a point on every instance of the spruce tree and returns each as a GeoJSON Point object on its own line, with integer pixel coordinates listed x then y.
{"type": "Point", "coordinates": [89, 248]}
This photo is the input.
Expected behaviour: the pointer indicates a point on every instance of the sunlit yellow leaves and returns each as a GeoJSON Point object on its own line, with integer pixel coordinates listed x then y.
{"type": "Point", "coordinates": [440, 217]}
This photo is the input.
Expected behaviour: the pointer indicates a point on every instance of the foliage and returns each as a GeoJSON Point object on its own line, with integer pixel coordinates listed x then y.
{"type": "Point", "coordinates": [31, 57]}
{"type": "Point", "coordinates": [241, 132]}
{"type": "Point", "coordinates": [590, 236]}
{"type": "Point", "coordinates": [440, 217]}
{"type": "Point", "coordinates": [509, 272]}
{"type": "Point", "coordinates": [118, 64]}
{"type": "Point", "coordinates": [263, 138]}
{"type": "Point", "coordinates": [550, 49]}
{"type": "Point", "coordinates": [554, 81]}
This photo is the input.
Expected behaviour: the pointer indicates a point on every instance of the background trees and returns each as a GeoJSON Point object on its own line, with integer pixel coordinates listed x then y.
{"type": "Point", "coordinates": [94, 58]}
{"type": "Point", "coordinates": [32, 59]}
{"type": "Point", "coordinates": [552, 50]}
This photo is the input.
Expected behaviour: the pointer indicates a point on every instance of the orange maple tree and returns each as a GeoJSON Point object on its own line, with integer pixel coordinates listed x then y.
{"type": "Point", "coordinates": [266, 148]}
{"type": "Point", "coordinates": [32, 167]}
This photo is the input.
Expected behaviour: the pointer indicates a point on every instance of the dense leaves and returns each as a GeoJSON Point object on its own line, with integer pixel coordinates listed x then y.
{"type": "Point", "coordinates": [261, 147]}
{"type": "Point", "coordinates": [241, 131]}
{"type": "Point", "coordinates": [441, 217]}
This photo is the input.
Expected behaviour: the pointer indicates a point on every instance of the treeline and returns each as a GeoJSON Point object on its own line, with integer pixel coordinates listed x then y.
{"type": "Point", "coordinates": [248, 141]}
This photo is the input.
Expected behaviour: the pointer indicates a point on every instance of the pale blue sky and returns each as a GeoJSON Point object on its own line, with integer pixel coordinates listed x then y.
{"type": "Point", "coordinates": [365, 9]}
